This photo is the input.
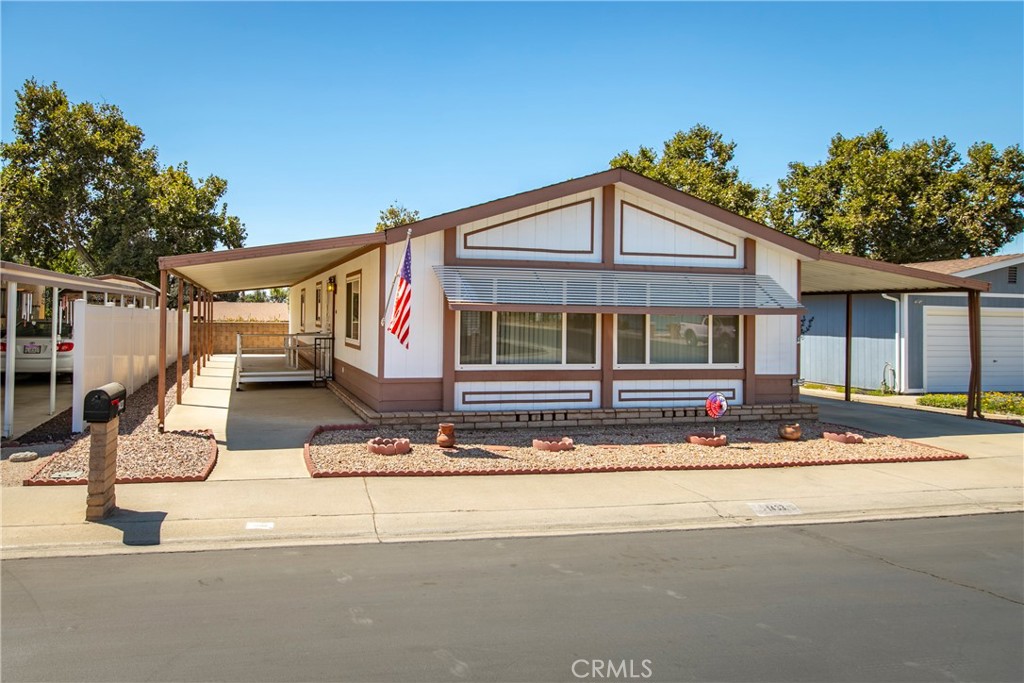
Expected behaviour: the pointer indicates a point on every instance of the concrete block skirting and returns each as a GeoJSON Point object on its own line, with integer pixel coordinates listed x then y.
{"type": "Point", "coordinates": [783, 412]}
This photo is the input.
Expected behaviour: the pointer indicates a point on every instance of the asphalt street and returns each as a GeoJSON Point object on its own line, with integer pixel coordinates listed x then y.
{"type": "Point", "coordinates": [914, 600]}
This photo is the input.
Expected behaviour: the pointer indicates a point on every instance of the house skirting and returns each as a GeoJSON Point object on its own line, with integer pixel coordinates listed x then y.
{"type": "Point", "coordinates": [780, 412]}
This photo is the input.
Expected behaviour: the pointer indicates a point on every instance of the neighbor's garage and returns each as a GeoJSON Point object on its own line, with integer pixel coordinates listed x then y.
{"type": "Point", "coordinates": [947, 363]}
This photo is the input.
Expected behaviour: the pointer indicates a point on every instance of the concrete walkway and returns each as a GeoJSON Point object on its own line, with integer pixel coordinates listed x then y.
{"type": "Point", "coordinates": [907, 401]}
{"type": "Point", "coordinates": [261, 498]}
{"type": "Point", "coordinates": [260, 429]}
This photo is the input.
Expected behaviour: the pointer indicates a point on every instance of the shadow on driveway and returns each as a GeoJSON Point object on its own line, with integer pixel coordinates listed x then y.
{"type": "Point", "coordinates": [905, 423]}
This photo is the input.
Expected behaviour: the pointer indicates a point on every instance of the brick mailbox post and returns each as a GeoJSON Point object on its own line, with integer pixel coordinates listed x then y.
{"type": "Point", "coordinates": [103, 407]}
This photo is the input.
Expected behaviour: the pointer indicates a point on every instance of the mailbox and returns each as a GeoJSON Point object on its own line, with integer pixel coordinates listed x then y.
{"type": "Point", "coordinates": [105, 403]}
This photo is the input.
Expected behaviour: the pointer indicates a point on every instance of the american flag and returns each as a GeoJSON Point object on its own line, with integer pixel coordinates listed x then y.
{"type": "Point", "coordinates": [399, 325]}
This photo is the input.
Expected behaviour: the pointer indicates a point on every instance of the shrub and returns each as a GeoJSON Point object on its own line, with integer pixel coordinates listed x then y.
{"type": "Point", "coordinates": [991, 401]}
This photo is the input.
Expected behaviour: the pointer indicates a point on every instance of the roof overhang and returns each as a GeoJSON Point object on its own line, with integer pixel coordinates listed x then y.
{"type": "Point", "coordinates": [275, 265]}
{"type": "Point", "coordinates": [601, 291]}
{"type": "Point", "coordinates": [843, 274]}
{"type": "Point", "coordinates": [40, 277]}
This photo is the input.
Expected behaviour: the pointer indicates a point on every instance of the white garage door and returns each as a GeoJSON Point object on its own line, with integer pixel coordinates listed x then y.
{"type": "Point", "coordinates": [947, 360]}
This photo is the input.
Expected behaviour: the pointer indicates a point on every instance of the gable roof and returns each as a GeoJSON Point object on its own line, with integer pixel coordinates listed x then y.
{"type": "Point", "coordinates": [287, 264]}
{"type": "Point", "coordinates": [976, 265]}
{"type": "Point", "coordinates": [592, 182]}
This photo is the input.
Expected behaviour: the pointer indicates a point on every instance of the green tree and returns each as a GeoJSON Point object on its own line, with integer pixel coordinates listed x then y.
{"type": "Point", "coordinates": [697, 161]}
{"type": "Point", "coordinates": [917, 202]}
{"type": "Point", "coordinates": [394, 216]}
{"type": "Point", "coordinates": [82, 194]}
{"type": "Point", "coordinates": [279, 295]}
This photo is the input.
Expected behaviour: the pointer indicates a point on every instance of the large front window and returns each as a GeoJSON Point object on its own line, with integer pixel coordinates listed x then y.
{"type": "Point", "coordinates": [512, 338]}
{"type": "Point", "coordinates": [677, 339]}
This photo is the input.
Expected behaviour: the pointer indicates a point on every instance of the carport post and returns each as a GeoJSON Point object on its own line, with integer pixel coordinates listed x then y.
{"type": "Point", "coordinates": [974, 339]}
{"type": "Point", "coordinates": [181, 332]}
{"type": "Point", "coordinates": [12, 323]}
{"type": "Point", "coordinates": [161, 374]}
{"type": "Point", "coordinates": [54, 327]}
{"type": "Point", "coordinates": [849, 343]}
{"type": "Point", "coordinates": [191, 333]}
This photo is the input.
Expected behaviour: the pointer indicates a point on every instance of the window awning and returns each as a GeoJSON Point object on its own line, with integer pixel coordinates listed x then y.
{"type": "Point", "coordinates": [470, 288]}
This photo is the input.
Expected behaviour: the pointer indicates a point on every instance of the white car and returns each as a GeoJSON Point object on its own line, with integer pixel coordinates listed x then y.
{"type": "Point", "coordinates": [32, 348]}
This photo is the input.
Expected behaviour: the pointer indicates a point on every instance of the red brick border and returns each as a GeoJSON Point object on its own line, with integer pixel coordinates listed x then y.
{"type": "Point", "coordinates": [318, 474]}
{"type": "Point", "coordinates": [202, 476]}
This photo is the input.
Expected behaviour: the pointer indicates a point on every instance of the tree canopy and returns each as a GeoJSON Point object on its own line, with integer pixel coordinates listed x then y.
{"type": "Point", "coordinates": [919, 201]}
{"type": "Point", "coordinates": [82, 194]}
{"type": "Point", "coordinates": [394, 216]}
{"type": "Point", "coordinates": [698, 162]}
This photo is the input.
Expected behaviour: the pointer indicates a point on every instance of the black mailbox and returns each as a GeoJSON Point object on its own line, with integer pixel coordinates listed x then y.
{"type": "Point", "coordinates": [105, 403]}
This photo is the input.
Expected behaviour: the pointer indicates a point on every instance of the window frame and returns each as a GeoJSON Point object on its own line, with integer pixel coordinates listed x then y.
{"type": "Point", "coordinates": [302, 310]}
{"type": "Point", "coordinates": [648, 365]}
{"type": "Point", "coordinates": [356, 277]}
{"type": "Point", "coordinates": [494, 365]}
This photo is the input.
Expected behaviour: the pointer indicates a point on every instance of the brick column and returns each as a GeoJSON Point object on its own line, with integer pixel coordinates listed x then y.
{"type": "Point", "coordinates": [102, 469]}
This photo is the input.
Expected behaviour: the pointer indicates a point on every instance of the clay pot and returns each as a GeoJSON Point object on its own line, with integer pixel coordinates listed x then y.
{"type": "Point", "coordinates": [846, 437]}
{"type": "Point", "coordinates": [381, 446]}
{"type": "Point", "coordinates": [446, 435]}
{"type": "Point", "coordinates": [790, 432]}
{"type": "Point", "coordinates": [706, 439]}
{"type": "Point", "coordinates": [563, 444]}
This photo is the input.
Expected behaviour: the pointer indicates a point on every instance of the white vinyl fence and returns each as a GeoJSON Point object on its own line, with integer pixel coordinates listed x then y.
{"type": "Point", "coordinates": [114, 344]}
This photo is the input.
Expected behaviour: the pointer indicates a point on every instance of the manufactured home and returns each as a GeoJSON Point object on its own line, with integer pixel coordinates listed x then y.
{"type": "Point", "coordinates": [605, 295]}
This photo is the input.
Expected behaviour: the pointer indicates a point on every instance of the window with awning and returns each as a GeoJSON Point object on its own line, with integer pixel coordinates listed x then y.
{"type": "Point", "coordinates": [470, 288]}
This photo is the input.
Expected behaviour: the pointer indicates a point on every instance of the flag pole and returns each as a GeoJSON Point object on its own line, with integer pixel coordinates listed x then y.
{"type": "Point", "coordinates": [391, 291]}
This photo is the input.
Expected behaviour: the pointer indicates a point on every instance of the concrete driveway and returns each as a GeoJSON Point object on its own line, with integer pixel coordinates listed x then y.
{"type": "Point", "coordinates": [975, 438]}
{"type": "Point", "coordinates": [32, 400]}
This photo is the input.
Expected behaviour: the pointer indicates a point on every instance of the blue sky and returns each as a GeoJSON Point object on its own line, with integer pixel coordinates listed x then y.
{"type": "Point", "coordinates": [321, 114]}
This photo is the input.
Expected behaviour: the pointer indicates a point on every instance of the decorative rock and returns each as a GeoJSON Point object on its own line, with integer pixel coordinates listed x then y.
{"type": "Point", "coordinates": [381, 446]}
{"type": "Point", "coordinates": [847, 437]}
{"type": "Point", "coordinates": [706, 439]}
{"type": "Point", "coordinates": [24, 456]}
{"type": "Point", "coordinates": [790, 432]}
{"type": "Point", "coordinates": [563, 444]}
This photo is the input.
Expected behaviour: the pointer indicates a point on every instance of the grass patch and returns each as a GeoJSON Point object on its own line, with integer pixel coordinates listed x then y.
{"type": "Point", "coordinates": [991, 401]}
{"type": "Point", "coordinates": [853, 390]}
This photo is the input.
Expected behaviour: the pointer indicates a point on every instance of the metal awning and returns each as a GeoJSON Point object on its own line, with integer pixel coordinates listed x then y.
{"type": "Point", "coordinates": [263, 267]}
{"type": "Point", "coordinates": [529, 289]}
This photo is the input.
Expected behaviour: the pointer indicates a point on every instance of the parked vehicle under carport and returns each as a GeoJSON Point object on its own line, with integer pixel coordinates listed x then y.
{"type": "Point", "coordinates": [33, 354]}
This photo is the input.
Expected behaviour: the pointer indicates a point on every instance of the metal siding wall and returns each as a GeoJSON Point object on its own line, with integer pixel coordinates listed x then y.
{"type": "Point", "coordinates": [423, 358]}
{"type": "Point", "coordinates": [1000, 285]}
{"type": "Point", "coordinates": [776, 334]}
{"type": "Point", "coordinates": [546, 236]}
{"type": "Point", "coordinates": [823, 348]}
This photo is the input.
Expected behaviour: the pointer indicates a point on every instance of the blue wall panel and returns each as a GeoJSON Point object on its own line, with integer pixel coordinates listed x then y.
{"type": "Point", "coordinates": [823, 350]}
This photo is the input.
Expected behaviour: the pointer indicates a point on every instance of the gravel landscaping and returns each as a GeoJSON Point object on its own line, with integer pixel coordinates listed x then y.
{"type": "Point", "coordinates": [343, 452]}
{"type": "Point", "coordinates": [144, 454]}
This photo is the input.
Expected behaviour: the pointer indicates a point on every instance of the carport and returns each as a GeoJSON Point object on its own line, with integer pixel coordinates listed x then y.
{"type": "Point", "coordinates": [115, 290]}
{"type": "Point", "coordinates": [848, 275]}
{"type": "Point", "coordinates": [207, 274]}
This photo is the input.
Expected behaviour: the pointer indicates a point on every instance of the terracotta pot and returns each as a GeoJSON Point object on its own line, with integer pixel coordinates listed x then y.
{"type": "Point", "coordinates": [846, 437]}
{"type": "Point", "coordinates": [563, 444]}
{"type": "Point", "coordinates": [446, 435]}
{"type": "Point", "coordinates": [707, 439]}
{"type": "Point", "coordinates": [790, 432]}
{"type": "Point", "coordinates": [381, 446]}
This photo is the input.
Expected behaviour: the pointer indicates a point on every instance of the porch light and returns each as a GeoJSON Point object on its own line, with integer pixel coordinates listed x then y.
{"type": "Point", "coordinates": [331, 283]}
